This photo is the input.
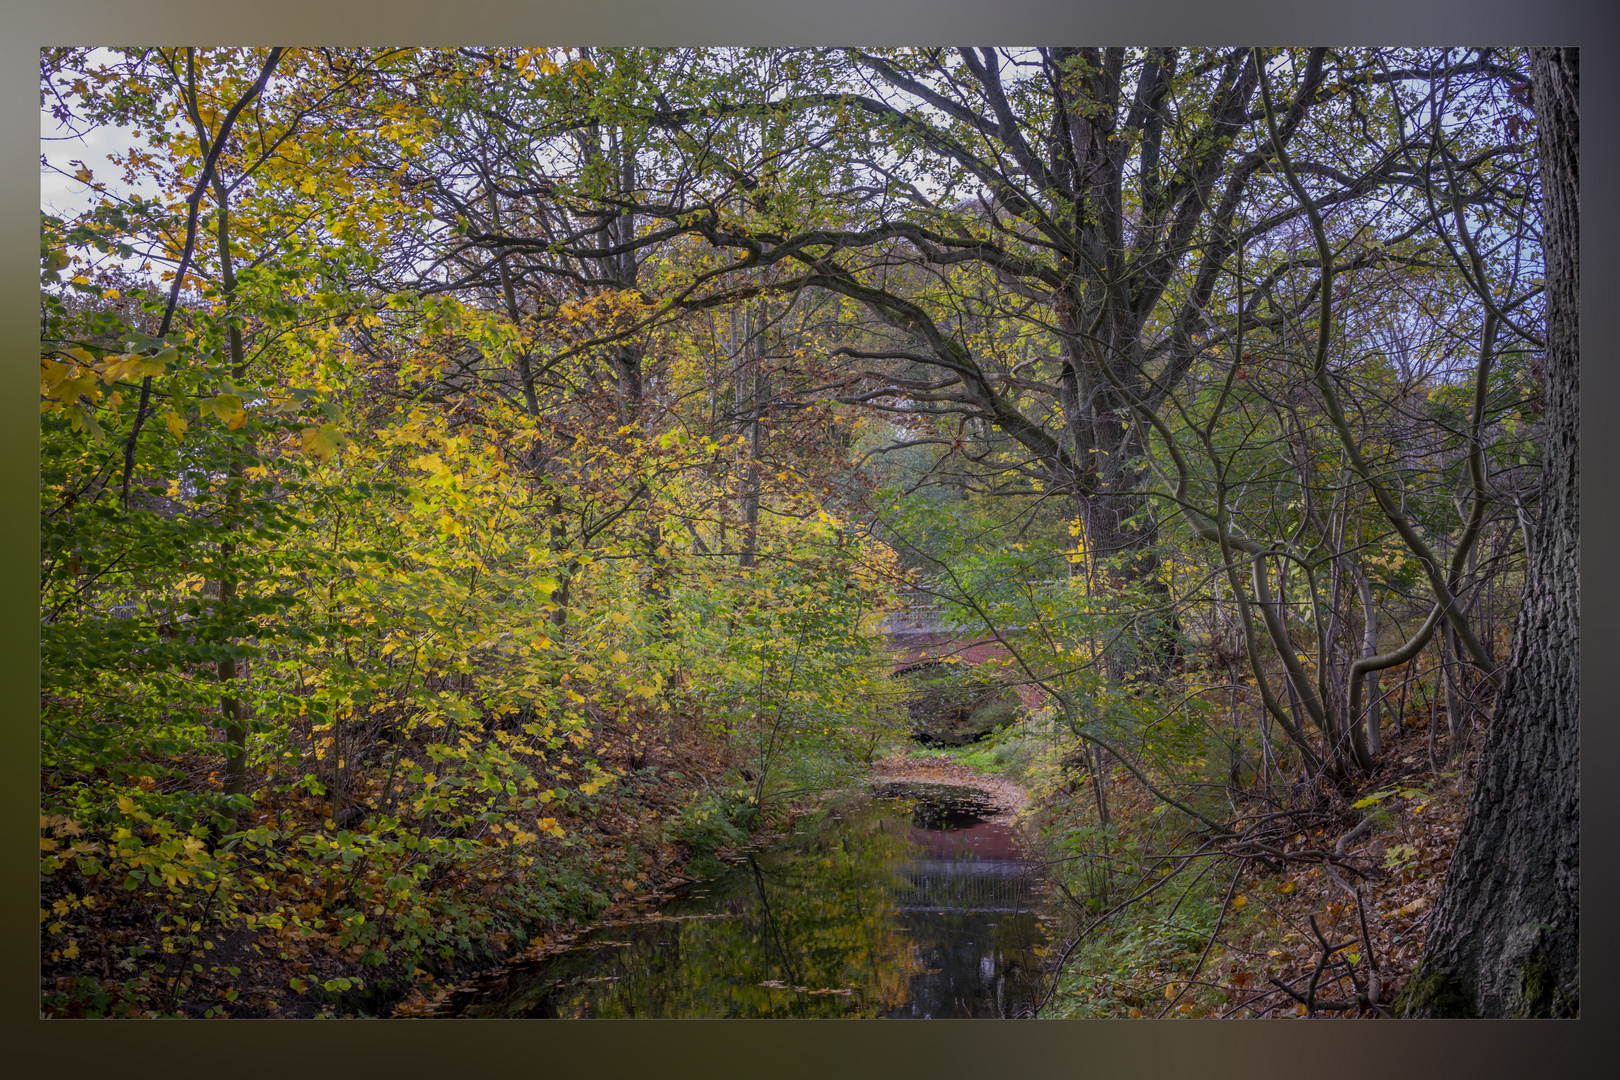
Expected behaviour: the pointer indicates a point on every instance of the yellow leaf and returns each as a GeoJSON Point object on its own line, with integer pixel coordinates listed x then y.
{"type": "Point", "coordinates": [1239, 901]}
{"type": "Point", "coordinates": [430, 463]}
{"type": "Point", "coordinates": [224, 406]}
{"type": "Point", "coordinates": [619, 656]}
{"type": "Point", "coordinates": [322, 441]}
{"type": "Point", "coordinates": [51, 374]}
{"type": "Point", "coordinates": [177, 424]}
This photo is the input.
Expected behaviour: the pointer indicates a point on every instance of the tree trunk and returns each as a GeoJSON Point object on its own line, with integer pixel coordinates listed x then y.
{"type": "Point", "coordinates": [1505, 940]}
{"type": "Point", "coordinates": [1369, 647]}
{"type": "Point", "coordinates": [755, 370]}
{"type": "Point", "coordinates": [227, 670]}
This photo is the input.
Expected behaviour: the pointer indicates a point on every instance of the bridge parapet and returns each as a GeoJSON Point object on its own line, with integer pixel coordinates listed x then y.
{"type": "Point", "coordinates": [922, 619]}
{"type": "Point", "coordinates": [932, 622]}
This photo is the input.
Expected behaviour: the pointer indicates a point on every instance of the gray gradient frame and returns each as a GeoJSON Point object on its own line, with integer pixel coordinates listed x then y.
{"type": "Point", "coordinates": [786, 1048]}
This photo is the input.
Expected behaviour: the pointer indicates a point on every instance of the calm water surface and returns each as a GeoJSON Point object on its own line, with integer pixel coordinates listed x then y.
{"type": "Point", "coordinates": [906, 902]}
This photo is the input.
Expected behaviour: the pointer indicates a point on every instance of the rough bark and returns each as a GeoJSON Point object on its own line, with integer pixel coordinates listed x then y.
{"type": "Point", "coordinates": [1505, 937]}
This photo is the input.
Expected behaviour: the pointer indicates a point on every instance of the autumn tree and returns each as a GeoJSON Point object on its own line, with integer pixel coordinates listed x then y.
{"type": "Point", "coordinates": [466, 427]}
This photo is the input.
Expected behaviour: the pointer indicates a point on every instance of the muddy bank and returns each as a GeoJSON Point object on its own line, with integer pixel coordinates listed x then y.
{"type": "Point", "coordinates": [1008, 799]}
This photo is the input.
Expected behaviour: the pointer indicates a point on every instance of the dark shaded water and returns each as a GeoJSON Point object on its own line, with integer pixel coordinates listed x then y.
{"type": "Point", "coordinates": [904, 903]}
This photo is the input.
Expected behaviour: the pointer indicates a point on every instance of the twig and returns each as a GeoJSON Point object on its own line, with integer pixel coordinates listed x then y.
{"type": "Point", "coordinates": [1375, 981]}
{"type": "Point", "coordinates": [1310, 1006]}
{"type": "Point", "coordinates": [1338, 849]}
{"type": "Point", "coordinates": [1321, 964]}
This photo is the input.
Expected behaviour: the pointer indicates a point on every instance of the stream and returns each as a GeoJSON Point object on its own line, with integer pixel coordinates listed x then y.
{"type": "Point", "coordinates": [903, 901]}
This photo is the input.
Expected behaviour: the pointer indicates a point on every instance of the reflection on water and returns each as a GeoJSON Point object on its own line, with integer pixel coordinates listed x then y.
{"type": "Point", "coordinates": [906, 903]}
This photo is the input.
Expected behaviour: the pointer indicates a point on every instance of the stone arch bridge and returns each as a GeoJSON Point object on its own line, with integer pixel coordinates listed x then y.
{"type": "Point", "coordinates": [924, 633]}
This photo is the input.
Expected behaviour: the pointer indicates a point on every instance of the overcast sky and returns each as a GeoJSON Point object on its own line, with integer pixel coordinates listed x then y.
{"type": "Point", "coordinates": [65, 196]}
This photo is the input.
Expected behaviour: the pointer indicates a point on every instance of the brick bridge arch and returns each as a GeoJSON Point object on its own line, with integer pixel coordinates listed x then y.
{"type": "Point", "coordinates": [914, 651]}
{"type": "Point", "coordinates": [921, 634]}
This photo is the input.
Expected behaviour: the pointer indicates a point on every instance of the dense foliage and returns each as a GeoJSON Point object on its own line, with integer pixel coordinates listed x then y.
{"type": "Point", "coordinates": [462, 433]}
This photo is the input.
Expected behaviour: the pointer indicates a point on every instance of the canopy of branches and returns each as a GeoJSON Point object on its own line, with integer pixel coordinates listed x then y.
{"type": "Point", "coordinates": [457, 425]}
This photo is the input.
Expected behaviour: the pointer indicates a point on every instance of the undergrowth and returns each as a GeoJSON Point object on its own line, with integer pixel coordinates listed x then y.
{"type": "Point", "coordinates": [1151, 929]}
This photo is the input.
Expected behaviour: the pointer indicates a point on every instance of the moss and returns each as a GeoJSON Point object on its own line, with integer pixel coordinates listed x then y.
{"type": "Point", "coordinates": [1540, 996]}
{"type": "Point", "coordinates": [1431, 994]}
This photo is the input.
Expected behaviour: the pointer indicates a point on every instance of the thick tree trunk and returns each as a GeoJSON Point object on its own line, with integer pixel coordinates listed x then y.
{"type": "Point", "coordinates": [1505, 940]}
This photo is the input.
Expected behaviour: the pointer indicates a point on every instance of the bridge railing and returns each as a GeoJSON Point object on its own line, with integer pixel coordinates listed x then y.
{"type": "Point", "coordinates": [923, 614]}
{"type": "Point", "coordinates": [925, 619]}
{"type": "Point", "coordinates": [913, 621]}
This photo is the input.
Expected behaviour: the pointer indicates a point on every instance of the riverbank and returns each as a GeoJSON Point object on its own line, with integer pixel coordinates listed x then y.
{"type": "Point", "coordinates": [1232, 940]}
{"type": "Point", "coordinates": [1010, 799]}
{"type": "Point", "coordinates": [632, 851]}
{"type": "Point", "coordinates": [925, 908]}
{"type": "Point", "coordinates": [675, 874]}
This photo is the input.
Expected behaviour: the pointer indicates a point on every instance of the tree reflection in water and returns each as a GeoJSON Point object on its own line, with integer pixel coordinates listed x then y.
{"type": "Point", "coordinates": [904, 903]}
